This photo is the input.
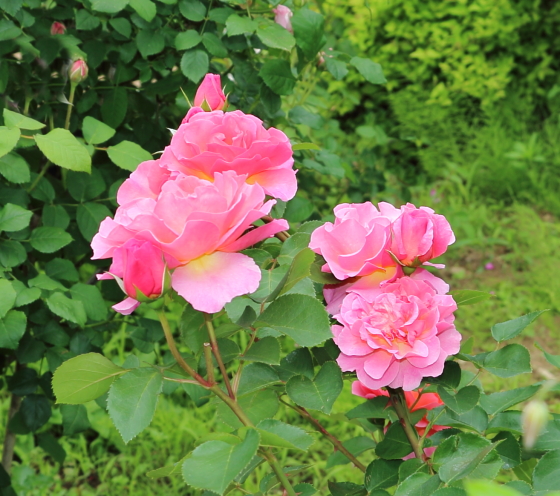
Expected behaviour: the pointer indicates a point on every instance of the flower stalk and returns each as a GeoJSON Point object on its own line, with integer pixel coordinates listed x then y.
{"type": "Point", "coordinates": [217, 355]}
{"type": "Point", "coordinates": [399, 403]}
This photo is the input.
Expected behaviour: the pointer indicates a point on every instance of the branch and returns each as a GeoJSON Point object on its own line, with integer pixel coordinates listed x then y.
{"type": "Point", "coordinates": [216, 351]}
{"type": "Point", "coordinates": [399, 403]}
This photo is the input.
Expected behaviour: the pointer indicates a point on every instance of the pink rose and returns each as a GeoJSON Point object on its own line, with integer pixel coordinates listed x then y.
{"type": "Point", "coordinates": [209, 95]}
{"type": "Point", "coordinates": [57, 28]}
{"type": "Point", "coordinates": [415, 400]}
{"type": "Point", "coordinates": [357, 243]}
{"type": "Point", "coordinates": [400, 333]}
{"type": "Point", "coordinates": [145, 182]}
{"type": "Point", "coordinates": [210, 142]}
{"type": "Point", "coordinates": [140, 269]}
{"type": "Point", "coordinates": [78, 71]}
{"type": "Point", "coordinates": [282, 16]}
{"type": "Point", "coordinates": [200, 225]}
{"type": "Point", "coordinates": [419, 235]}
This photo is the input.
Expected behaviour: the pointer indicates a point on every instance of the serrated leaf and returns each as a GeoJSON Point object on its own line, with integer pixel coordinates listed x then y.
{"type": "Point", "coordinates": [63, 149]}
{"type": "Point", "coordinates": [497, 402]}
{"type": "Point", "coordinates": [67, 309]}
{"type": "Point", "coordinates": [84, 378]}
{"type": "Point", "coordinates": [319, 393]}
{"type": "Point", "coordinates": [14, 168]}
{"type": "Point", "coordinates": [266, 350]}
{"type": "Point", "coordinates": [195, 64]}
{"type": "Point", "coordinates": [8, 297]}
{"type": "Point", "coordinates": [337, 68]}
{"type": "Point", "coordinates": [547, 472]}
{"type": "Point", "coordinates": [214, 465]}
{"type": "Point", "coordinates": [374, 408]}
{"type": "Point", "coordinates": [128, 155]}
{"type": "Point", "coordinates": [35, 411]}
{"type": "Point", "coordinates": [469, 297]}
{"type": "Point", "coordinates": [12, 329]}
{"type": "Point", "coordinates": [381, 474]}
{"type": "Point", "coordinates": [509, 361]}
{"type": "Point", "coordinates": [193, 10]}
{"type": "Point", "coordinates": [49, 239]}
{"type": "Point", "coordinates": [256, 376]}
{"type": "Point", "coordinates": [552, 359]}
{"type": "Point", "coordinates": [13, 119]}
{"type": "Point", "coordinates": [96, 132]}
{"type": "Point", "coordinates": [133, 399]}
{"type": "Point", "coordinates": [89, 216]}
{"type": "Point", "coordinates": [115, 105]}
{"type": "Point", "coordinates": [277, 75]}
{"type": "Point", "coordinates": [512, 328]}
{"type": "Point", "coordinates": [301, 317]}
{"type": "Point", "coordinates": [14, 218]}
{"type": "Point", "coordinates": [462, 401]}
{"type": "Point", "coordinates": [8, 139]}
{"type": "Point", "coordinates": [371, 70]}
{"type": "Point", "coordinates": [309, 31]}
{"type": "Point", "coordinates": [109, 6]}
{"type": "Point", "coordinates": [237, 25]}
{"type": "Point", "coordinates": [258, 406]}
{"type": "Point", "coordinates": [275, 36]}
{"type": "Point", "coordinates": [356, 446]}
{"type": "Point", "coordinates": [187, 39]}
{"type": "Point", "coordinates": [395, 444]}
{"type": "Point", "coordinates": [214, 45]}
{"type": "Point", "coordinates": [146, 9]}
{"type": "Point", "coordinates": [281, 435]}
{"type": "Point", "coordinates": [74, 419]}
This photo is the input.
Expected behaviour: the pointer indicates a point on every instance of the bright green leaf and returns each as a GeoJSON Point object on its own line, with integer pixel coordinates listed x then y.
{"type": "Point", "coordinates": [49, 239]}
{"type": "Point", "coordinates": [469, 297]}
{"type": "Point", "coordinates": [128, 155]}
{"type": "Point", "coordinates": [67, 309]}
{"type": "Point", "coordinates": [14, 218]}
{"type": "Point", "coordinates": [547, 472]}
{"type": "Point", "coordinates": [275, 36]}
{"type": "Point", "coordinates": [109, 6]}
{"type": "Point", "coordinates": [237, 25]}
{"type": "Point", "coordinates": [187, 39]}
{"type": "Point", "coordinates": [146, 9]}
{"type": "Point", "coordinates": [279, 434]}
{"type": "Point", "coordinates": [63, 149]}
{"type": "Point", "coordinates": [214, 45]}
{"type": "Point", "coordinates": [194, 65]}
{"type": "Point", "coordinates": [12, 329]}
{"type": "Point", "coordinates": [193, 10]}
{"type": "Point", "coordinates": [7, 297]}
{"type": "Point", "coordinates": [13, 119]}
{"type": "Point", "coordinates": [371, 70]}
{"type": "Point", "coordinates": [8, 139]}
{"type": "Point", "coordinates": [512, 328]}
{"type": "Point", "coordinates": [95, 131]}
{"type": "Point", "coordinates": [74, 419]}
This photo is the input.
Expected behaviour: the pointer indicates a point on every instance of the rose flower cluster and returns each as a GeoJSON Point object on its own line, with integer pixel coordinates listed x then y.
{"type": "Point", "coordinates": [183, 218]}
{"type": "Point", "coordinates": [396, 320]}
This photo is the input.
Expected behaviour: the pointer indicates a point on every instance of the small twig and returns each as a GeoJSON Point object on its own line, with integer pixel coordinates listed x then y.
{"type": "Point", "coordinates": [282, 235]}
{"type": "Point", "coordinates": [216, 351]}
{"type": "Point", "coordinates": [209, 363]}
{"type": "Point", "coordinates": [399, 404]}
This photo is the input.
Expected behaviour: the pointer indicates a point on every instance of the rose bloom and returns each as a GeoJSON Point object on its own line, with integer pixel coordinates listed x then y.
{"type": "Point", "coordinates": [200, 225]}
{"type": "Point", "coordinates": [415, 400]}
{"type": "Point", "coordinates": [283, 17]}
{"type": "Point", "coordinates": [419, 234]}
{"type": "Point", "coordinates": [57, 28]}
{"type": "Point", "coordinates": [209, 95]}
{"type": "Point", "coordinates": [399, 334]}
{"type": "Point", "coordinates": [140, 268]}
{"type": "Point", "coordinates": [210, 142]}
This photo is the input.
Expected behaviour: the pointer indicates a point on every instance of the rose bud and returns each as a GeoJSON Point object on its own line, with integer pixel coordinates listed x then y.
{"type": "Point", "coordinates": [58, 28]}
{"type": "Point", "coordinates": [533, 419]}
{"type": "Point", "coordinates": [209, 95]}
{"type": "Point", "coordinates": [78, 71]}
{"type": "Point", "coordinates": [282, 16]}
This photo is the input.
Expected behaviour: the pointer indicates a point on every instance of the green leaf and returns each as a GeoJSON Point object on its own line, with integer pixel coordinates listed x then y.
{"type": "Point", "coordinates": [128, 155]}
{"type": "Point", "coordinates": [7, 297]}
{"type": "Point", "coordinates": [549, 438]}
{"type": "Point", "coordinates": [214, 45]}
{"type": "Point", "coordinates": [305, 146]}
{"type": "Point", "coordinates": [463, 401]}
{"type": "Point", "coordinates": [49, 239]}
{"type": "Point", "coordinates": [89, 216]}
{"type": "Point", "coordinates": [193, 10]}
{"type": "Point", "coordinates": [301, 317]}
{"type": "Point", "coordinates": [278, 434]}
{"type": "Point", "coordinates": [298, 362]}
{"type": "Point", "coordinates": [256, 376]}
{"type": "Point", "coordinates": [150, 42]}
{"type": "Point", "coordinates": [450, 378]}
{"type": "Point", "coordinates": [356, 446]}
{"type": "Point", "coordinates": [14, 168]}
{"type": "Point", "coordinates": [214, 465]}
{"type": "Point", "coordinates": [469, 297]}
{"type": "Point", "coordinates": [337, 68]}
{"type": "Point", "coordinates": [275, 36]}
{"type": "Point", "coordinates": [453, 491]}
{"type": "Point", "coordinates": [309, 31]}
{"type": "Point", "coordinates": [498, 402]}
{"type": "Point", "coordinates": [187, 39]}
{"type": "Point", "coordinates": [258, 406]}
{"type": "Point", "coordinates": [50, 444]}
{"type": "Point", "coordinates": [508, 361]}
{"type": "Point", "coordinates": [418, 484]}
{"type": "Point", "coordinates": [552, 359]}
{"type": "Point", "coordinates": [277, 75]}
{"type": "Point", "coordinates": [475, 419]}
{"type": "Point", "coordinates": [146, 9]}
{"type": "Point", "coordinates": [237, 25]}
{"type": "Point", "coordinates": [512, 328]}
{"type": "Point", "coordinates": [67, 309]}
{"type": "Point", "coordinates": [86, 21]}
{"type": "Point", "coordinates": [319, 393]}
{"type": "Point", "coordinates": [56, 215]}
{"type": "Point", "coordinates": [298, 209]}
{"type": "Point", "coordinates": [458, 456]}
{"type": "Point", "coordinates": [14, 218]}
{"type": "Point", "coordinates": [115, 105]}
{"type": "Point", "coordinates": [62, 270]}
{"type": "Point", "coordinates": [299, 269]}
{"type": "Point", "coordinates": [84, 378]}
{"type": "Point", "coordinates": [506, 421]}
{"type": "Point", "coordinates": [13, 119]}
{"type": "Point", "coordinates": [24, 381]}
{"type": "Point", "coordinates": [292, 246]}
{"type": "Point", "coordinates": [63, 149]}
{"type": "Point", "coordinates": [371, 70]}
{"type": "Point", "coordinates": [193, 328]}
{"type": "Point", "coordinates": [121, 26]}
{"type": "Point", "coordinates": [12, 253]}
{"type": "Point", "coordinates": [133, 399]}
{"type": "Point", "coordinates": [109, 6]}
{"type": "Point", "coordinates": [266, 350]}
{"type": "Point", "coordinates": [350, 489]}
{"type": "Point", "coordinates": [95, 131]}
{"type": "Point", "coordinates": [12, 329]}
{"type": "Point", "coordinates": [74, 419]}
{"type": "Point", "coordinates": [547, 472]}
{"type": "Point", "coordinates": [35, 411]}
{"type": "Point", "coordinates": [374, 408]}
{"type": "Point", "coordinates": [8, 139]}
{"type": "Point", "coordinates": [91, 299]}
{"type": "Point", "coordinates": [194, 65]}
{"type": "Point", "coordinates": [381, 474]}
{"type": "Point", "coordinates": [395, 444]}
{"type": "Point", "coordinates": [484, 488]}
{"type": "Point", "coordinates": [509, 449]}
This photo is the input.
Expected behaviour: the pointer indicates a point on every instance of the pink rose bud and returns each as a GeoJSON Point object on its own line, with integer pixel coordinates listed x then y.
{"type": "Point", "coordinates": [282, 16]}
{"type": "Point", "coordinates": [78, 71]}
{"type": "Point", "coordinates": [210, 95]}
{"type": "Point", "coordinates": [534, 418]}
{"type": "Point", "coordinates": [58, 28]}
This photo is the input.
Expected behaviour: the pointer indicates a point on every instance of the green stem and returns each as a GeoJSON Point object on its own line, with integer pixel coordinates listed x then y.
{"type": "Point", "coordinates": [216, 351]}
{"type": "Point", "coordinates": [399, 403]}
{"type": "Point", "coordinates": [333, 439]}
{"type": "Point", "coordinates": [70, 106]}
{"type": "Point", "coordinates": [39, 176]}
{"type": "Point", "coordinates": [175, 352]}
{"type": "Point", "coordinates": [209, 364]}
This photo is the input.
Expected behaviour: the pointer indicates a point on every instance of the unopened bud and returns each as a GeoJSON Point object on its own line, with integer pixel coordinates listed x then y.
{"type": "Point", "coordinates": [210, 95]}
{"type": "Point", "coordinates": [533, 419]}
{"type": "Point", "coordinates": [78, 71]}
{"type": "Point", "coordinates": [58, 28]}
